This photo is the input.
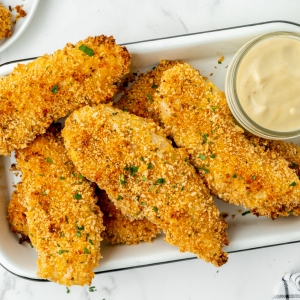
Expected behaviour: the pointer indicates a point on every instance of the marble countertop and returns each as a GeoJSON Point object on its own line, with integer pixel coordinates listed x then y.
{"type": "Point", "coordinates": [253, 274]}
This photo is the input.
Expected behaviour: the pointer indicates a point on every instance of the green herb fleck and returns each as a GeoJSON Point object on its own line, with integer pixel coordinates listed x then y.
{"type": "Point", "coordinates": [62, 178]}
{"type": "Point", "coordinates": [86, 251]}
{"type": "Point", "coordinates": [213, 156]}
{"type": "Point", "coordinates": [205, 136]}
{"type": "Point", "coordinates": [293, 183]}
{"type": "Point", "coordinates": [44, 193]}
{"type": "Point", "coordinates": [137, 198]}
{"type": "Point", "coordinates": [92, 289]}
{"type": "Point", "coordinates": [144, 178]}
{"type": "Point", "coordinates": [54, 89]}
{"type": "Point", "coordinates": [62, 251]}
{"type": "Point", "coordinates": [214, 108]}
{"type": "Point", "coordinates": [203, 157]}
{"type": "Point", "coordinates": [49, 160]}
{"type": "Point", "coordinates": [150, 166]}
{"type": "Point", "coordinates": [234, 176]}
{"type": "Point", "coordinates": [155, 208]}
{"type": "Point", "coordinates": [91, 242]}
{"type": "Point", "coordinates": [246, 212]}
{"type": "Point", "coordinates": [154, 86]}
{"type": "Point", "coordinates": [42, 175]}
{"type": "Point", "coordinates": [115, 113]}
{"type": "Point", "coordinates": [253, 177]}
{"type": "Point", "coordinates": [160, 181]}
{"type": "Point", "coordinates": [68, 290]}
{"type": "Point", "coordinates": [143, 203]}
{"type": "Point", "coordinates": [150, 98]}
{"type": "Point", "coordinates": [77, 196]}
{"type": "Point", "coordinates": [119, 197]}
{"type": "Point", "coordinates": [206, 171]}
{"type": "Point", "coordinates": [122, 179]}
{"type": "Point", "coordinates": [88, 51]}
{"type": "Point", "coordinates": [142, 158]}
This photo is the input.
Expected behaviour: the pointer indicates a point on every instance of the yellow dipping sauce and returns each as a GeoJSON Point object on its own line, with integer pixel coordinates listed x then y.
{"type": "Point", "coordinates": [268, 84]}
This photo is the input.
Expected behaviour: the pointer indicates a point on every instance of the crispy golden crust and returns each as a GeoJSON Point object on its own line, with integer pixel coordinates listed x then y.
{"type": "Point", "coordinates": [139, 98]}
{"type": "Point", "coordinates": [119, 229]}
{"type": "Point", "coordinates": [5, 22]}
{"type": "Point", "coordinates": [145, 176]}
{"type": "Point", "coordinates": [197, 114]}
{"type": "Point", "coordinates": [64, 222]}
{"type": "Point", "coordinates": [50, 87]}
{"type": "Point", "coordinates": [17, 213]}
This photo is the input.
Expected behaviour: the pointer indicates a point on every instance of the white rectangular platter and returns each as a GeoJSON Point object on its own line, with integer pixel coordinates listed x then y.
{"type": "Point", "coordinates": [202, 50]}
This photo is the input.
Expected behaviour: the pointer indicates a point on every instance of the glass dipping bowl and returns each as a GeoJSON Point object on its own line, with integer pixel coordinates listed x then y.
{"type": "Point", "coordinates": [242, 118]}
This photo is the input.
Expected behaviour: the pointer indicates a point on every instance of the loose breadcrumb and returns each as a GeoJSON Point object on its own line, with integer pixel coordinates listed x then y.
{"type": "Point", "coordinates": [5, 23]}
{"type": "Point", "coordinates": [64, 222]}
{"type": "Point", "coordinates": [145, 176]}
{"type": "Point", "coordinates": [197, 115]}
{"type": "Point", "coordinates": [119, 229]}
{"type": "Point", "coordinates": [47, 89]}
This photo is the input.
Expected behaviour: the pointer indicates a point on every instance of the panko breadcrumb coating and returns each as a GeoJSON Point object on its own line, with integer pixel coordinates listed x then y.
{"type": "Point", "coordinates": [197, 115]}
{"type": "Point", "coordinates": [5, 23]}
{"type": "Point", "coordinates": [145, 176]}
{"type": "Point", "coordinates": [17, 214]}
{"type": "Point", "coordinates": [64, 222]}
{"type": "Point", "coordinates": [47, 89]}
{"type": "Point", "coordinates": [139, 98]}
{"type": "Point", "coordinates": [119, 229]}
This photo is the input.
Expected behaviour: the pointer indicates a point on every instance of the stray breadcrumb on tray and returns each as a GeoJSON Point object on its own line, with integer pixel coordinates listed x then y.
{"type": "Point", "coordinates": [5, 23]}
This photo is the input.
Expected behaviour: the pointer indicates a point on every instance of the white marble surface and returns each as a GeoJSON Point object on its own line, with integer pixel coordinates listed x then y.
{"type": "Point", "coordinates": [248, 275]}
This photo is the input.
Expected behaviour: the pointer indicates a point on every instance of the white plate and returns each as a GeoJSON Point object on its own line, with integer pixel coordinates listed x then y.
{"type": "Point", "coordinates": [29, 6]}
{"type": "Point", "coordinates": [202, 50]}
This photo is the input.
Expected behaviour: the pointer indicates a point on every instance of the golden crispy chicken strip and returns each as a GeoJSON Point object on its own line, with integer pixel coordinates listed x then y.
{"type": "Point", "coordinates": [64, 222]}
{"type": "Point", "coordinates": [17, 214]}
{"type": "Point", "coordinates": [145, 176]}
{"type": "Point", "coordinates": [197, 115]}
{"type": "Point", "coordinates": [5, 22]}
{"type": "Point", "coordinates": [139, 98]}
{"type": "Point", "coordinates": [40, 92]}
{"type": "Point", "coordinates": [119, 229]}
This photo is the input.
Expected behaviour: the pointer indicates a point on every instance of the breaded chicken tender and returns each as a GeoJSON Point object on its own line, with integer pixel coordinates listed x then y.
{"type": "Point", "coordinates": [197, 115]}
{"type": "Point", "coordinates": [5, 23]}
{"type": "Point", "coordinates": [139, 99]}
{"type": "Point", "coordinates": [119, 229]}
{"type": "Point", "coordinates": [64, 222]}
{"type": "Point", "coordinates": [17, 214]}
{"type": "Point", "coordinates": [47, 89]}
{"type": "Point", "coordinates": [145, 176]}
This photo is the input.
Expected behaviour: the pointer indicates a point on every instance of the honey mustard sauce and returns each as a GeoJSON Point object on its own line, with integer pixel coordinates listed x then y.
{"type": "Point", "coordinates": [268, 84]}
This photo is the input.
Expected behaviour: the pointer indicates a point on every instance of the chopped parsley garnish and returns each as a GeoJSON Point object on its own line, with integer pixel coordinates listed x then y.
{"type": "Point", "coordinates": [185, 159]}
{"type": "Point", "coordinates": [44, 193]}
{"type": "Point", "coordinates": [214, 108]}
{"type": "Point", "coordinates": [92, 289]}
{"type": "Point", "coordinates": [150, 98]}
{"type": "Point", "coordinates": [253, 177]}
{"type": "Point", "coordinates": [115, 113]}
{"type": "Point", "coordinates": [155, 208]}
{"type": "Point", "coordinates": [68, 290]}
{"type": "Point", "coordinates": [234, 176]}
{"type": "Point", "coordinates": [293, 183]}
{"type": "Point", "coordinates": [67, 219]}
{"type": "Point", "coordinates": [160, 181]}
{"type": "Point", "coordinates": [78, 233]}
{"type": "Point", "coordinates": [54, 89]}
{"type": "Point", "coordinates": [150, 166]}
{"type": "Point", "coordinates": [205, 136]}
{"type": "Point", "coordinates": [77, 196]}
{"type": "Point", "coordinates": [91, 242]}
{"type": "Point", "coordinates": [119, 197]}
{"type": "Point", "coordinates": [137, 198]}
{"type": "Point", "coordinates": [132, 170]}
{"type": "Point", "coordinates": [142, 158]}
{"type": "Point", "coordinates": [62, 178]}
{"type": "Point", "coordinates": [122, 179]}
{"type": "Point", "coordinates": [154, 86]}
{"type": "Point", "coordinates": [144, 178]}
{"type": "Point", "coordinates": [213, 156]}
{"type": "Point", "coordinates": [206, 171]}
{"type": "Point", "coordinates": [62, 251]}
{"type": "Point", "coordinates": [42, 175]}
{"type": "Point", "coordinates": [246, 212]}
{"type": "Point", "coordinates": [49, 160]}
{"type": "Point", "coordinates": [203, 157]}
{"type": "Point", "coordinates": [143, 203]}
{"type": "Point", "coordinates": [88, 51]}
{"type": "Point", "coordinates": [86, 251]}
{"type": "Point", "coordinates": [294, 165]}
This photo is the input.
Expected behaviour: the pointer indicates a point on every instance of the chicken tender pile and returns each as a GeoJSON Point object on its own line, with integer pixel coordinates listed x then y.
{"type": "Point", "coordinates": [40, 92]}
{"type": "Point", "coordinates": [64, 222]}
{"type": "Point", "coordinates": [119, 229]}
{"type": "Point", "coordinates": [199, 119]}
{"type": "Point", "coordinates": [5, 23]}
{"type": "Point", "coordinates": [145, 176]}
